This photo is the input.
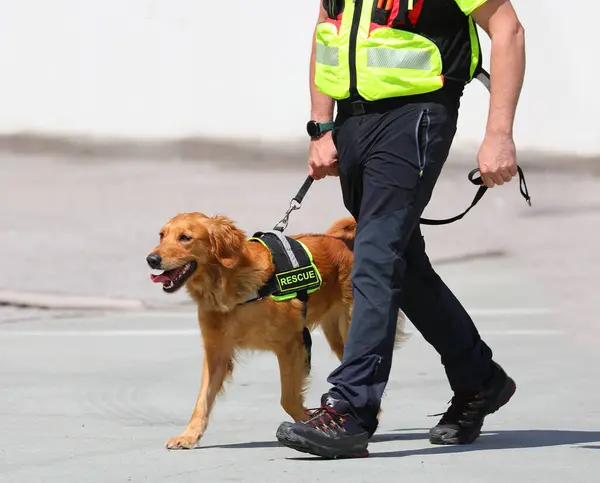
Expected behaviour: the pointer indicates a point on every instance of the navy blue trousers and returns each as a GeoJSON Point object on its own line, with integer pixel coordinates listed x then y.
{"type": "Point", "coordinates": [389, 163]}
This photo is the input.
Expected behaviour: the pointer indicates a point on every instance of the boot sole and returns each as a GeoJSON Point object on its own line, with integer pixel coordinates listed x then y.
{"type": "Point", "coordinates": [504, 396]}
{"type": "Point", "coordinates": [304, 445]}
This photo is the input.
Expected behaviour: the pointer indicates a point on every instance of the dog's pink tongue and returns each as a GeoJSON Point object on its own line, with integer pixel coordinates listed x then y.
{"type": "Point", "coordinates": [162, 278]}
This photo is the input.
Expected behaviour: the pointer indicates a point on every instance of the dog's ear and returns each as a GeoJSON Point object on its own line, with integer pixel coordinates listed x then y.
{"type": "Point", "coordinates": [227, 241]}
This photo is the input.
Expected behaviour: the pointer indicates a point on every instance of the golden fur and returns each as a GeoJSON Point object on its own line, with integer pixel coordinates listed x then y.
{"type": "Point", "coordinates": [229, 270]}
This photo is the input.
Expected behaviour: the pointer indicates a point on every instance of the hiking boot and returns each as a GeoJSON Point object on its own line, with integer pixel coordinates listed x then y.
{"type": "Point", "coordinates": [331, 432]}
{"type": "Point", "coordinates": [462, 422]}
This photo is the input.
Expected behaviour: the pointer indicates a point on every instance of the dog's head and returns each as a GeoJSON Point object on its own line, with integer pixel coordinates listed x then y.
{"type": "Point", "coordinates": [191, 244]}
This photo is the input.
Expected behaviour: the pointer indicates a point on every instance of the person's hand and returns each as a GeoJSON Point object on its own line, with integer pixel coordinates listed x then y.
{"type": "Point", "coordinates": [322, 157]}
{"type": "Point", "coordinates": [497, 159]}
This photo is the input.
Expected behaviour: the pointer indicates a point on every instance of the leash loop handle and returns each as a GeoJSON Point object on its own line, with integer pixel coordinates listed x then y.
{"type": "Point", "coordinates": [522, 183]}
{"type": "Point", "coordinates": [478, 181]}
{"type": "Point", "coordinates": [523, 186]}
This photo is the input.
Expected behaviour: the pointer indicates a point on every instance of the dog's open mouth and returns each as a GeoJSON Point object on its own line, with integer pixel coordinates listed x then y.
{"type": "Point", "coordinates": [174, 279]}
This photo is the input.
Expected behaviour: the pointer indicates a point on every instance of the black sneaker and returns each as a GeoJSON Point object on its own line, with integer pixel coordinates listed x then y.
{"type": "Point", "coordinates": [331, 432]}
{"type": "Point", "coordinates": [462, 422]}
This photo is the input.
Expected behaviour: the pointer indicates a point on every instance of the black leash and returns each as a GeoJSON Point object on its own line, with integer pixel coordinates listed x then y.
{"type": "Point", "coordinates": [480, 192]}
{"type": "Point", "coordinates": [482, 76]}
{"type": "Point", "coordinates": [296, 201]}
{"type": "Point", "coordinates": [296, 204]}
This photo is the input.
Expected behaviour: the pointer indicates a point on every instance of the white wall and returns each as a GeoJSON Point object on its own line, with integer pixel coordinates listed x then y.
{"type": "Point", "coordinates": [161, 68]}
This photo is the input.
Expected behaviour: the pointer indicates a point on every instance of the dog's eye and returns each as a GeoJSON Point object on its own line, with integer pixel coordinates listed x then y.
{"type": "Point", "coordinates": [185, 238]}
{"type": "Point", "coordinates": [161, 235]}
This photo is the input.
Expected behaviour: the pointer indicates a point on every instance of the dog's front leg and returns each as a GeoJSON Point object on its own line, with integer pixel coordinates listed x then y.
{"type": "Point", "coordinates": [294, 375]}
{"type": "Point", "coordinates": [217, 364]}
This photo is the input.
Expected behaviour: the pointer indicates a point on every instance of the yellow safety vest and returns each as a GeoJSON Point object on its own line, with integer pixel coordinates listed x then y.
{"type": "Point", "coordinates": [377, 49]}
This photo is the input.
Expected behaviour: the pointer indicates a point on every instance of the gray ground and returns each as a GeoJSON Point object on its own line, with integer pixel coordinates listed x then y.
{"type": "Point", "coordinates": [93, 395]}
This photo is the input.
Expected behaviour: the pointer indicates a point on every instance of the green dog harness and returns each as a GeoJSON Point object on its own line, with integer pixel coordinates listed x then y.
{"type": "Point", "coordinates": [296, 275]}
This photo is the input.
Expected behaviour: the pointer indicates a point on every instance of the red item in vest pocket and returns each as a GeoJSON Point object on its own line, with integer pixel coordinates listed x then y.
{"type": "Point", "coordinates": [395, 13]}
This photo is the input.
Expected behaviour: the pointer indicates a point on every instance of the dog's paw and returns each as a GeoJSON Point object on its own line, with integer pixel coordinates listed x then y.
{"type": "Point", "coordinates": [185, 441]}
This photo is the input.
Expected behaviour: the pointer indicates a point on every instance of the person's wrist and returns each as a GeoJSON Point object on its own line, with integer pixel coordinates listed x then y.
{"type": "Point", "coordinates": [321, 115]}
{"type": "Point", "coordinates": [497, 132]}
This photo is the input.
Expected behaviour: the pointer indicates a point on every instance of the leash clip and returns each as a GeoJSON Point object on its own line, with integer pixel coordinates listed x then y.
{"type": "Point", "coordinates": [295, 204]}
{"type": "Point", "coordinates": [283, 223]}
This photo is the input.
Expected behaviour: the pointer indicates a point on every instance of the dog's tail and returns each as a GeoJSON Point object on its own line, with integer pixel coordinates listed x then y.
{"type": "Point", "coordinates": [344, 229]}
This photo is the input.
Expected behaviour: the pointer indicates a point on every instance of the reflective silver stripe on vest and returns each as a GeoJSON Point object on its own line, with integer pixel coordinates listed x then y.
{"type": "Point", "coordinates": [327, 55]}
{"type": "Point", "coordinates": [398, 59]}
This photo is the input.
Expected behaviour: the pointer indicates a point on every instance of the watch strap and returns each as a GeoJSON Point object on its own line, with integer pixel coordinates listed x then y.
{"type": "Point", "coordinates": [326, 126]}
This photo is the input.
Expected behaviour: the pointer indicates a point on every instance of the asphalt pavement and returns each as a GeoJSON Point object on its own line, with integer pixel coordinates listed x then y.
{"type": "Point", "coordinates": [92, 395]}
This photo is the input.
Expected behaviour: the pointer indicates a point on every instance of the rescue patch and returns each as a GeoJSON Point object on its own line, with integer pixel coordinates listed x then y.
{"type": "Point", "coordinates": [297, 279]}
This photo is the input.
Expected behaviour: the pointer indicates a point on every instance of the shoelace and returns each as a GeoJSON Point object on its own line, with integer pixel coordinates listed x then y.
{"type": "Point", "coordinates": [462, 407]}
{"type": "Point", "coordinates": [324, 415]}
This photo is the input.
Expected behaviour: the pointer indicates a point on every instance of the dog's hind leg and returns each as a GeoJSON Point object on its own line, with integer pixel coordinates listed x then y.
{"type": "Point", "coordinates": [293, 374]}
{"type": "Point", "coordinates": [335, 327]}
{"type": "Point", "coordinates": [218, 364]}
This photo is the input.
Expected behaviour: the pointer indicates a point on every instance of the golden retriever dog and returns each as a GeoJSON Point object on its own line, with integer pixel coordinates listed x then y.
{"type": "Point", "coordinates": [221, 269]}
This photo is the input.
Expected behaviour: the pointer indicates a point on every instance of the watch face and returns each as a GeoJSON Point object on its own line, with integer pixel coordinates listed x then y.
{"type": "Point", "coordinates": [312, 128]}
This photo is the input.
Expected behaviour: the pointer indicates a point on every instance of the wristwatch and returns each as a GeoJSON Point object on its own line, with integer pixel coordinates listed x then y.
{"type": "Point", "coordinates": [316, 129]}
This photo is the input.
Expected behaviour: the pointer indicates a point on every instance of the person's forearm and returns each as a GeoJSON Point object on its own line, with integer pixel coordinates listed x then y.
{"type": "Point", "coordinates": [321, 105]}
{"type": "Point", "coordinates": [507, 73]}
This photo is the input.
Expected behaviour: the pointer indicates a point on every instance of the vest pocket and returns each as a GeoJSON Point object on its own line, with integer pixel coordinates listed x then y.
{"type": "Point", "coordinates": [396, 62]}
{"type": "Point", "coordinates": [408, 14]}
{"type": "Point", "coordinates": [402, 16]}
{"type": "Point", "coordinates": [392, 13]}
{"type": "Point", "coordinates": [422, 139]}
{"type": "Point", "coordinates": [333, 8]}
{"type": "Point", "coordinates": [381, 11]}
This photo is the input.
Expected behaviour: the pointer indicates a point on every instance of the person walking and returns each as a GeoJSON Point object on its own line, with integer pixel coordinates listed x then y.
{"type": "Point", "coordinates": [396, 71]}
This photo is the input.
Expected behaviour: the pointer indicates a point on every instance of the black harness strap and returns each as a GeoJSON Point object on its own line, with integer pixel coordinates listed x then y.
{"type": "Point", "coordinates": [287, 254]}
{"type": "Point", "coordinates": [306, 338]}
{"type": "Point", "coordinates": [295, 275]}
{"type": "Point", "coordinates": [295, 204]}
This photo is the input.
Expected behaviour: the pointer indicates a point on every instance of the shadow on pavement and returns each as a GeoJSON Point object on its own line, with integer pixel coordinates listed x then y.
{"type": "Point", "coordinates": [249, 445]}
{"type": "Point", "coordinates": [378, 438]}
{"type": "Point", "coordinates": [471, 257]}
{"type": "Point", "coordinates": [521, 439]}
{"type": "Point", "coordinates": [533, 438]}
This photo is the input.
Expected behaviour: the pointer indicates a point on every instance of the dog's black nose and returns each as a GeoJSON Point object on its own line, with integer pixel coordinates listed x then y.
{"type": "Point", "coordinates": [154, 260]}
